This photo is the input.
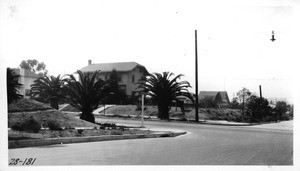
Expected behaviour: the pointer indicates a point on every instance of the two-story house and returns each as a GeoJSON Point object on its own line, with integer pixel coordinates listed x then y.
{"type": "Point", "coordinates": [129, 73]}
{"type": "Point", "coordinates": [26, 78]}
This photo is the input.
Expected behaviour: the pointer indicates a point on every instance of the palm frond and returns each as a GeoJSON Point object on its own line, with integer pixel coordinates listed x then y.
{"type": "Point", "coordinates": [163, 90]}
{"type": "Point", "coordinates": [87, 93]}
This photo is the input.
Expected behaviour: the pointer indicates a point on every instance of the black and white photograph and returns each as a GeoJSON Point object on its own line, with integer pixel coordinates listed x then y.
{"type": "Point", "coordinates": [149, 84]}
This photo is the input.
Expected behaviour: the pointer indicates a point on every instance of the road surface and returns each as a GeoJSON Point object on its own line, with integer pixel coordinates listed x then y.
{"type": "Point", "coordinates": [202, 145]}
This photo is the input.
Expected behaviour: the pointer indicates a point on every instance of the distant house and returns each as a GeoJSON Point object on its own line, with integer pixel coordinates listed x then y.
{"type": "Point", "coordinates": [220, 97]}
{"type": "Point", "coordinates": [26, 78]}
{"type": "Point", "coordinates": [129, 73]}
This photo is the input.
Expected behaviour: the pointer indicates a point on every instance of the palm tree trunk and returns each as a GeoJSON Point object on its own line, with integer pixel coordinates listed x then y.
{"type": "Point", "coordinates": [163, 112]}
{"type": "Point", "coordinates": [87, 115]}
{"type": "Point", "coordinates": [54, 103]}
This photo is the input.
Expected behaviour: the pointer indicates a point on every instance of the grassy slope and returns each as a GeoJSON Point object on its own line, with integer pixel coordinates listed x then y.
{"type": "Point", "coordinates": [42, 114]}
{"type": "Point", "coordinates": [212, 114]}
{"type": "Point", "coordinates": [25, 105]}
{"type": "Point", "coordinates": [216, 114]}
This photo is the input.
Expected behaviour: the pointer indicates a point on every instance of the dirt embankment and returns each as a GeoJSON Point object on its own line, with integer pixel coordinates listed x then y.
{"type": "Point", "coordinates": [25, 108]}
{"type": "Point", "coordinates": [209, 114]}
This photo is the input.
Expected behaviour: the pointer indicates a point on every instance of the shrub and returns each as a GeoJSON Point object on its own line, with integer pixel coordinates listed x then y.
{"type": "Point", "coordinates": [80, 131]}
{"type": "Point", "coordinates": [258, 108]}
{"type": "Point", "coordinates": [116, 132]}
{"type": "Point", "coordinates": [69, 127]}
{"type": "Point", "coordinates": [53, 125]}
{"type": "Point", "coordinates": [269, 119]}
{"type": "Point", "coordinates": [17, 127]}
{"type": "Point", "coordinates": [207, 103]}
{"type": "Point", "coordinates": [29, 125]}
{"type": "Point", "coordinates": [107, 124]}
{"type": "Point", "coordinates": [285, 117]}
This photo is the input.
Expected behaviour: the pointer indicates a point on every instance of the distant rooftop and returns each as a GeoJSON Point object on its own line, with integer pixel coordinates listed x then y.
{"type": "Point", "coordinates": [213, 94]}
{"type": "Point", "coordinates": [108, 67]}
{"type": "Point", "coordinates": [204, 94]}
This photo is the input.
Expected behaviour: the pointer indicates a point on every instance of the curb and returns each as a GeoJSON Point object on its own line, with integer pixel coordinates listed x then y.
{"type": "Point", "coordinates": [225, 124]}
{"type": "Point", "coordinates": [68, 140]}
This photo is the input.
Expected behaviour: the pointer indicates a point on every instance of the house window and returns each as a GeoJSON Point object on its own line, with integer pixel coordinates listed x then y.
{"type": "Point", "coordinates": [122, 88]}
{"type": "Point", "coordinates": [27, 92]}
{"type": "Point", "coordinates": [119, 78]}
{"type": "Point", "coordinates": [132, 79]}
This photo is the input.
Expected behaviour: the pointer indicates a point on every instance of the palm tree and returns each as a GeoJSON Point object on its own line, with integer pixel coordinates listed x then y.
{"type": "Point", "coordinates": [12, 86]}
{"type": "Point", "coordinates": [163, 90]}
{"type": "Point", "coordinates": [87, 93]}
{"type": "Point", "coordinates": [50, 88]}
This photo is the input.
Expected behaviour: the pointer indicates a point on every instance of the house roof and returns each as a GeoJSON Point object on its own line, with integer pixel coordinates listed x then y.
{"type": "Point", "coordinates": [108, 67]}
{"type": "Point", "coordinates": [224, 96]}
{"type": "Point", "coordinates": [205, 94]}
{"type": "Point", "coordinates": [213, 94]}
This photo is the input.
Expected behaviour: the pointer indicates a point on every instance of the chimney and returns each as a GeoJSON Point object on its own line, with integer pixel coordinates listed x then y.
{"type": "Point", "coordinates": [89, 62]}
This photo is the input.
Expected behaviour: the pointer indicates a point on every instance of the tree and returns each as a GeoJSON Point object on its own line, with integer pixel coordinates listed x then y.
{"type": "Point", "coordinates": [291, 110]}
{"type": "Point", "coordinates": [258, 108]}
{"type": "Point", "coordinates": [163, 90]}
{"type": "Point", "coordinates": [234, 103]}
{"type": "Point", "coordinates": [243, 96]}
{"type": "Point", "coordinates": [34, 66]}
{"type": "Point", "coordinates": [117, 96]}
{"type": "Point", "coordinates": [49, 87]}
{"type": "Point", "coordinates": [280, 109]}
{"type": "Point", "coordinates": [87, 93]}
{"type": "Point", "coordinates": [12, 86]}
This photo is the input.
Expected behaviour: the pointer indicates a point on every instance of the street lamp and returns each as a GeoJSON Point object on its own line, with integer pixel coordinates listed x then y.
{"type": "Point", "coordinates": [143, 104]}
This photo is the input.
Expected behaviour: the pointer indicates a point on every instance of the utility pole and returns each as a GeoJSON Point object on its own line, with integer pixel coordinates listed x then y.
{"type": "Point", "coordinates": [196, 78]}
{"type": "Point", "coordinates": [260, 93]}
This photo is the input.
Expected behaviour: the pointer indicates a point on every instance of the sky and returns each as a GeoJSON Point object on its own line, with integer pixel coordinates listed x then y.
{"type": "Point", "coordinates": [234, 47]}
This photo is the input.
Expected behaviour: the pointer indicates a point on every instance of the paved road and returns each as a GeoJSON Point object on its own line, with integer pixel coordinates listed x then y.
{"type": "Point", "coordinates": [203, 145]}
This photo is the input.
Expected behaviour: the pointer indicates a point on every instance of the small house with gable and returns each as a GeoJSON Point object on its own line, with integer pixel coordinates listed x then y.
{"type": "Point", "coordinates": [220, 97]}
